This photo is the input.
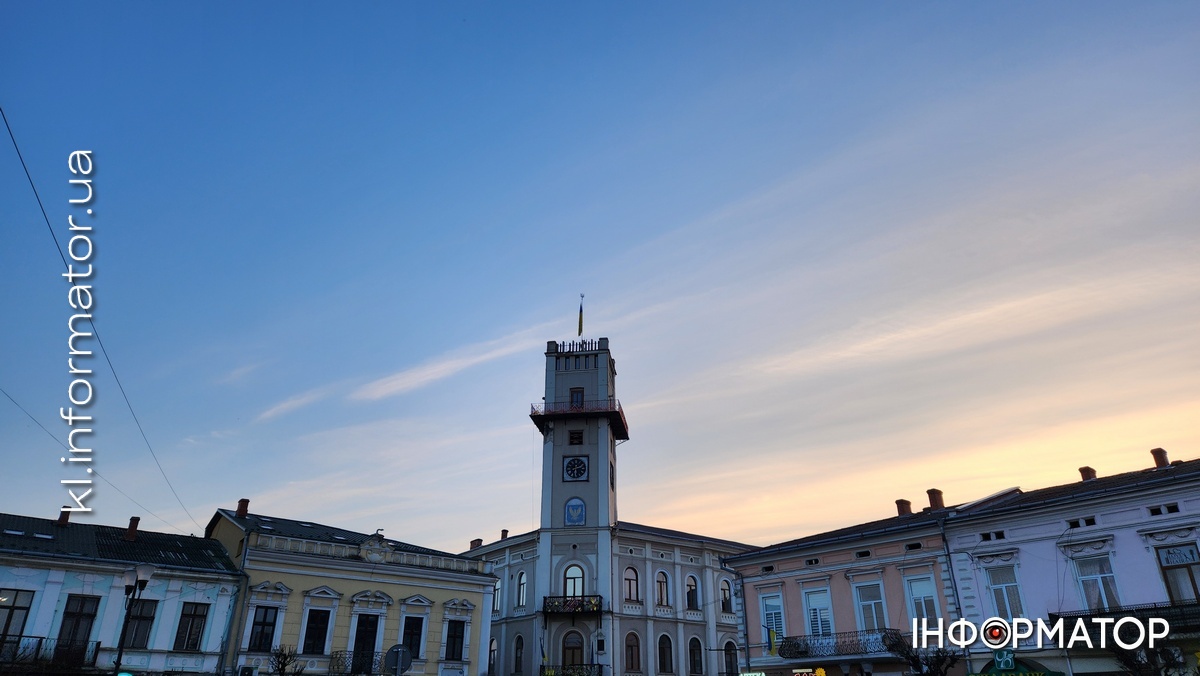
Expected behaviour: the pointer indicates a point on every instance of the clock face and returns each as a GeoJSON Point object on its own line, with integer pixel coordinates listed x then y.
{"type": "Point", "coordinates": [575, 469]}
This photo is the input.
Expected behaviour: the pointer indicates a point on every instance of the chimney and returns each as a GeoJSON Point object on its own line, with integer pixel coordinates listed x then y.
{"type": "Point", "coordinates": [935, 499]}
{"type": "Point", "coordinates": [476, 543]}
{"type": "Point", "coordinates": [1087, 473]}
{"type": "Point", "coordinates": [243, 508]}
{"type": "Point", "coordinates": [903, 507]}
{"type": "Point", "coordinates": [1160, 457]}
{"type": "Point", "coordinates": [131, 532]}
{"type": "Point", "coordinates": [64, 517]}
{"type": "Point", "coordinates": [504, 534]}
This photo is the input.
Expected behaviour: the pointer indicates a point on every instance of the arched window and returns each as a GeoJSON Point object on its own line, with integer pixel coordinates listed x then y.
{"type": "Point", "coordinates": [633, 653]}
{"type": "Point", "coordinates": [521, 589]}
{"type": "Point", "coordinates": [662, 589]}
{"type": "Point", "coordinates": [693, 593]}
{"type": "Point", "coordinates": [492, 658]}
{"type": "Point", "coordinates": [496, 598]}
{"type": "Point", "coordinates": [726, 597]}
{"type": "Point", "coordinates": [665, 665]}
{"type": "Point", "coordinates": [631, 585]}
{"type": "Point", "coordinates": [519, 654]}
{"type": "Point", "coordinates": [572, 649]}
{"type": "Point", "coordinates": [731, 665]}
{"type": "Point", "coordinates": [573, 581]}
{"type": "Point", "coordinates": [695, 657]}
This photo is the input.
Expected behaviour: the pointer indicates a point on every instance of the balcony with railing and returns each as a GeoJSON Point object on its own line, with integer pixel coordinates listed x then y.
{"type": "Point", "coordinates": [571, 670]}
{"type": "Point", "coordinates": [572, 605]}
{"type": "Point", "coordinates": [1184, 616]}
{"type": "Point", "coordinates": [610, 408]}
{"type": "Point", "coordinates": [841, 644]}
{"type": "Point", "coordinates": [356, 662]}
{"type": "Point", "coordinates": [29, 651]}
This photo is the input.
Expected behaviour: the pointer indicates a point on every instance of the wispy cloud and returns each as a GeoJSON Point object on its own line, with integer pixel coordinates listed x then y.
{"type": "Point", "coordinates": [240, 372]}
{"type": "Point", "coordinates": [447, 365]}
{"type": "Point", "coordinates": [292, 403]}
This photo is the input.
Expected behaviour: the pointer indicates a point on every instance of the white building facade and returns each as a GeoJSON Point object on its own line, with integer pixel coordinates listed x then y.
{"type": "Point", "coordinates": [63, 598]}
{"type": "Point", "coordinates": [1102, 547]}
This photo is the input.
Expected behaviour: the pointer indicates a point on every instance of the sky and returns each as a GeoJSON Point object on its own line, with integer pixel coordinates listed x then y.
{"type": "Point", "coordinates": [844, 253]}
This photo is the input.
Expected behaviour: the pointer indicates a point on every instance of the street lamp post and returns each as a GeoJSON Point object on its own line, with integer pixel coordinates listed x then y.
{"type": "Point", "coordinates": [135, 584]}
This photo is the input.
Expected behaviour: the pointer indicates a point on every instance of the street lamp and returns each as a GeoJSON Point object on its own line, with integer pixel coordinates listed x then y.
{"type": "Point", "coordinates": [135, 584]}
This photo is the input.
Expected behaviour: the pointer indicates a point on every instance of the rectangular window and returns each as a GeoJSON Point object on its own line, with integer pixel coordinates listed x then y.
{"type": "Point", "coordinates": [1002, 581]}
{"type": "Point", "coordinates": [78, 617]}
{"type": "Point", "coordinates": [1180, 566]}
{"type": "Point", "coordinates": [315, 632]}
{"type": "Point", "coordinates": [1098, 583]}
{"type": "Point", "coordinates": [576, 397]}
{"type": "Point", "coordinates": [772, 614]}
{"type": "Point", "coordinates": [141, 621]}
{"type": "Point", "coordinates": [818, 612]}
{"type": "Point", "coordinates": [191, 627]}
{"type": "Point", "coordinates": [870, 606]}
{"type": "Point", "coordinates": [14, 611]}
{"type": "Point", "coordinates": [412, 635]}
{"type": "Point", "coordinates": [262, 630]}
{"type": "Point", "coordinates": [456, 630]}
{"type": "Point", "coordinates": [922, 598]}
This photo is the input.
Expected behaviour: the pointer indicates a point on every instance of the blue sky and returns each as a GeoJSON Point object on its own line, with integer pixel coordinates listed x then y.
{"type": "Point", "coordinates": [844, 252]}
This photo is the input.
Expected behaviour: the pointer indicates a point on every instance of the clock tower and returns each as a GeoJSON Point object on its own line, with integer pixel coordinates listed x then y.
{"type": "Point", "coordinates": [581, 422]}
{"type": "Point", "coordinates": [586, 594]}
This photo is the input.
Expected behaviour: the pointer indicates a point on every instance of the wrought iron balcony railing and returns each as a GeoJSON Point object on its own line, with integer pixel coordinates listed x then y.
{"type": "Point", "coordinates": [842, 643]}
{"type": "Point", "coordinates": [40, 650]}
{"type": "Point", "coordinates": [610, 408]}
{"type": "Point", "coordinates": [356, 662]}
{"type": "Point", "coordinates": [571, 605]}
{"type": "Point", "coordinates": [1182, 615]}
{"type": "Point", "coordinates": [571, 670]}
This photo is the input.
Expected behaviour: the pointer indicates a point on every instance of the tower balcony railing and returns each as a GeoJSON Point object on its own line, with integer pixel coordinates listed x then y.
{"type": "Point", "coordinates": [572, 605]}
{"type": "Point", "coordinates": [571, 670]}
{"type": "Point", "coordinates": [543, 412]}
{"type": "Point", "coordinates": [842, 643]}
{"type": "Point", "coordinates": [1183, 616]}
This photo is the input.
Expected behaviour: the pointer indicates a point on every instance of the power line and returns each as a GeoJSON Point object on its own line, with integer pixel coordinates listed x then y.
{"type": "Point", "coordinates": [95, 332]}
{"type": "Point", "coordinates": [94, 472]}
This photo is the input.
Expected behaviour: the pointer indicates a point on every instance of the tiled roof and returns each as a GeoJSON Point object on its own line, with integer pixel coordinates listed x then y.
{"type": "Point", "coordinates": [309, 530]}
{"type": "Point", "coordinates": [627, 527]}
{"type": "Point", "coordinates": [1116, 484]}
{"type": "Point", "coordinates": [895, 524]}
{"type": "Point", "coordinates": [91, 542]}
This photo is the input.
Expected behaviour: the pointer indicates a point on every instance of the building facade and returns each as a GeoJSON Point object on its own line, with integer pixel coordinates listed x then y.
{"type": "Point", "coordinates": [1102, 547]}
{"type": "Point", "coordinates": [341, 599]}
{"type": "Point", "coordinates": [63, 598]}
{"type": "Point", "coordinates": [587, 594]}
{"type": "Point", "coordinates": [835, 600]}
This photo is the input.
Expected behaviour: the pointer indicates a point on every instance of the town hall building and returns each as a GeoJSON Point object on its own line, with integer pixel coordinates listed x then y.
{"type": "Point", "coordinates": [587, 594]}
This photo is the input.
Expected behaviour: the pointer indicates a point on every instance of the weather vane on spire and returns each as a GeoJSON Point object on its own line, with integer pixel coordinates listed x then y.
{"type": "Point", "coordinates": [581, 315]}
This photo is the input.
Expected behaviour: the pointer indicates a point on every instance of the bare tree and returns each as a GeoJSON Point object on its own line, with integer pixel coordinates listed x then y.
{"type": "Point", "coordinates": [1165, 661]}
{"type": "Point", "coordinates": [285, 661]}
{"type": "Point", "coordinates": [922, 661]}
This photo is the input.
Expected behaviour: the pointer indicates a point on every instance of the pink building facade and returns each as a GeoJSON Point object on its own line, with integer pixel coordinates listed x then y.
{"type": "Point", "coordinates": [832, 601]}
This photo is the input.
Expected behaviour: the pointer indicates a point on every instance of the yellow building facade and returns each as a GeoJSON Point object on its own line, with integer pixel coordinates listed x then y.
{"type": "Point", "coordinates": [341, 599]}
